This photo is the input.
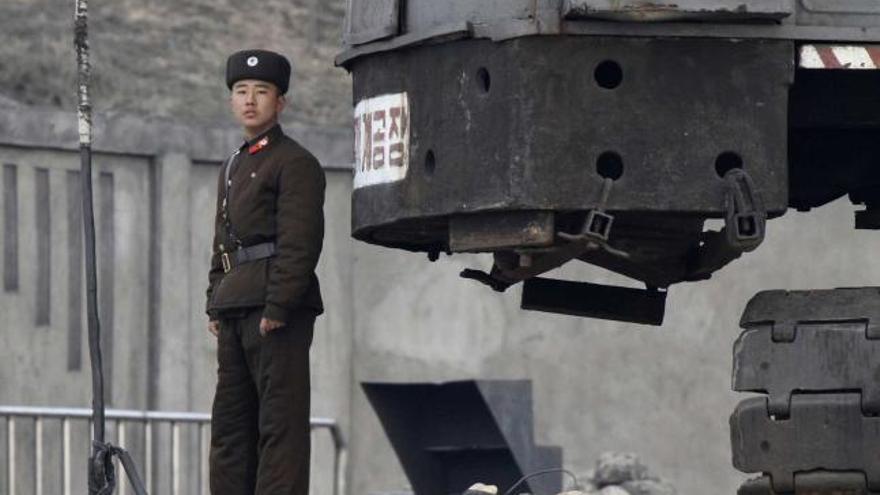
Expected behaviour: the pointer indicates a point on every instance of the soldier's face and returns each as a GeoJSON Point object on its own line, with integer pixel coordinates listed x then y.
{"type": "Point", "coordinates": [256, 104]}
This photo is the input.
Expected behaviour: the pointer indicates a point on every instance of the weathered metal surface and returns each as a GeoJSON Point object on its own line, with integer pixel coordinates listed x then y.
{"type": "Point", "coordinates": [372, 24]}
{"type": "Point", "coordinates": [850, 7]}
{"type": "Point", "coordinates": [493, 231]}
{"type": "Point", "coordinates": [370, 21]}
{"type": "Point", "coordinates": [816, 483]}
{"type": "Point", "coordinates": [785, 310]}
{"type": "Point", "coordinates": [483, 138]}
{"type": "Point", "coordinates": [828, 32]}
{"type": "Point", "coordinates": [446, 32]}
{"type": "Point", "coordinates": [855, 13]}
{"type": "Point", "coordinates": [675, 10]}
{"type": "Point", "coordinates": [823, 357]}
{"type": "Point", "coordinates": [596, 301]}
{"type": "Point", "coordinates": [421, 15]}
{"type": "Point", "coordinates": [824, 432]}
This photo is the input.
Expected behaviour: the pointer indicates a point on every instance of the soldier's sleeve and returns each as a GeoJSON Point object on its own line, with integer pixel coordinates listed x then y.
{"type": "Point", "coordinates": [300, 235]}
{"type": "Point", "coordinates": [215, 273]}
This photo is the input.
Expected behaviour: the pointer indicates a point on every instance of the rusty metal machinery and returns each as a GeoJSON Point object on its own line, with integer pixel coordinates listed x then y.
{"type": "Point", "coordinates": [542, 132]}
{"type": "Point", "coordinates": [610, 132]}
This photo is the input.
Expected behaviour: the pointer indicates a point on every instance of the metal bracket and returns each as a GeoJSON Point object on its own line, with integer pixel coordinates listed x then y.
{"type": "Point", "coordinates": [597, 226]}
{"type": "Point", "coordinates": [646, 307]}
{"type": "Point", "coordinates": [745, 218]}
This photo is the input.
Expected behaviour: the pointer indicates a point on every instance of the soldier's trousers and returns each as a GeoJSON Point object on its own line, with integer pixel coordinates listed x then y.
{"type": "Point", "coordinates": [260, 441]}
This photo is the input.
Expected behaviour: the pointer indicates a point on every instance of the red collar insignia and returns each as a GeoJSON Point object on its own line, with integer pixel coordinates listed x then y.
{"type": "Point", "coordinates": [259, 145]}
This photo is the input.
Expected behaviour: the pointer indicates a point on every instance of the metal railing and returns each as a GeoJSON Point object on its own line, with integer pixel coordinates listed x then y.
{"type": "Point", "coordinates": [148, 422]}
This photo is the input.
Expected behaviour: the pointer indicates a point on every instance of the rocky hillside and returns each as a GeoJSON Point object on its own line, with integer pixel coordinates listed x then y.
{"type": "Point", "coordinates": [167, 57]}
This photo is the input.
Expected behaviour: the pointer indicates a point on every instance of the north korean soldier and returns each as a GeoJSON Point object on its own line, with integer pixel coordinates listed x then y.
{"type": "Point", "coordinates": [263, 295]}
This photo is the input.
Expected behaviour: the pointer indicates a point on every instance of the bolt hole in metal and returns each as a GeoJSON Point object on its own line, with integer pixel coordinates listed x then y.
{"type": "Point", "coordinates": [609, 165]}
{"type": "Point", "coordinates": [765, 446]}
{"type": "Point", "coordinates": [608, 74]}
{"type": "Point", "coordinates": [484, 79]}
{"type": "Point", "coordinates": [726, 162]}
{"type": "Point", "coordinates": [430, 162]}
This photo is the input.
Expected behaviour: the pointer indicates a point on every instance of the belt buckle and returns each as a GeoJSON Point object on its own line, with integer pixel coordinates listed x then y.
{"type": "Point", "coordinates": [227, 262]}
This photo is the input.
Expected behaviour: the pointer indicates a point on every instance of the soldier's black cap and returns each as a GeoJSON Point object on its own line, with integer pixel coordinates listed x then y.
{"type": "Point", "coordinates": [258, 64]}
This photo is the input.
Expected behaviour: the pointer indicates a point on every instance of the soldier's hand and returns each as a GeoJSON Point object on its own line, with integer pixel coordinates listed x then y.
{"type": "Point", "coordinates": [267, 325]}
{"type": "Point", "coordinates": [214, 327]}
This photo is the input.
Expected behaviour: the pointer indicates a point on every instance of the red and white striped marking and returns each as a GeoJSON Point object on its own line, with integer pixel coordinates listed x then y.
{"type": "Point", "coordinates": [847, 57]}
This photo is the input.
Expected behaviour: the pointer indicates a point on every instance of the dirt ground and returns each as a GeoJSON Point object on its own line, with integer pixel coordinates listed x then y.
{"type": "Point", "coordinates": [167, 57]}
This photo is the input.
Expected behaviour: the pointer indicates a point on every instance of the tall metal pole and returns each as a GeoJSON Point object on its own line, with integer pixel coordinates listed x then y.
{"type": "Point", "coordinates": [101, 475]}
{"type": "Point", "coordinates": [84, 116]}
{"type": "Point", "coordinates": [85, 149]}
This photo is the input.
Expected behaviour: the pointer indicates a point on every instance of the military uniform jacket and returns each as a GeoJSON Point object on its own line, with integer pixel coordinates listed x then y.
{"type": "Point", "coordinates": [275, 194]}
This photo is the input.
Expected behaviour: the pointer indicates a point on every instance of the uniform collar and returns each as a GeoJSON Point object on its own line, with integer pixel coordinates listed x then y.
{"type": "Point", "coordinates": [261, 142]}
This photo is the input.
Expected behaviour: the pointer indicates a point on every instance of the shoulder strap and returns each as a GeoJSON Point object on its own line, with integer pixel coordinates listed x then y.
{"type": "Point", "coordinates": [227, 223]}
{"type": "Point", "coordinates": [228, 172]}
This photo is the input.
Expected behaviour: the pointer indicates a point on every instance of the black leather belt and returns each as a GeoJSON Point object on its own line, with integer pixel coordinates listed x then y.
{"type": "Point", "coordinates": [247, 254]}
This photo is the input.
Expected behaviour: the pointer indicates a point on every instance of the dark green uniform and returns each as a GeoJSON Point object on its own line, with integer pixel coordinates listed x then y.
{"type": "Point", "coordinates": [260, 427]}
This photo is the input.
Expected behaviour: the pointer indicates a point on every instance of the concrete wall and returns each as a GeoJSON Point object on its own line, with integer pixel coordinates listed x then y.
{"type": "Point", "coordinates": [43, 310]}
{"type": "Point", "coordinates": [155, 191]}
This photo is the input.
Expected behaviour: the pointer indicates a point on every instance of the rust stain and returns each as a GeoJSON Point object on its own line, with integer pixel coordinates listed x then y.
{"type": "Point", "coordinates": [658, 11]}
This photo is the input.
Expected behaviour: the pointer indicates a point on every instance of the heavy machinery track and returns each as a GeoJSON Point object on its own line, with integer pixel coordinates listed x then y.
{"type": "Point", "coordinates": [816, 357]}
